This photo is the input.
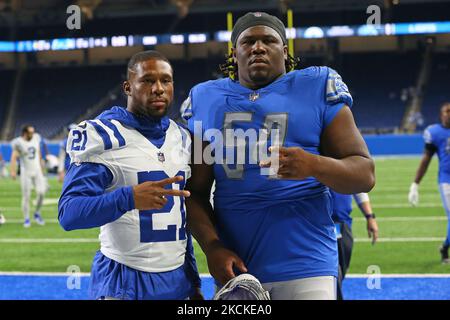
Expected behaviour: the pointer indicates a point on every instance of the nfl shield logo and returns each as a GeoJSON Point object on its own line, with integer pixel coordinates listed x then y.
{"type": "Point", "coordinates": [253, 96]}
{"type": "Point", "coordinates": [161, 157]}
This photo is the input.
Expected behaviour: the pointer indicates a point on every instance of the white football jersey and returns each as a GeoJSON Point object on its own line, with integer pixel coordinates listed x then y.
{"type": "Point", "coordinates": [29, 154]}
{"type": "Point", "coordinates": [151, 240]}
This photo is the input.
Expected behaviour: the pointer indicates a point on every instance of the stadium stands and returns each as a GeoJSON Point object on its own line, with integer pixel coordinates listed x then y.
{"type": "Point", "coordinates": [6, 84]}
{"type": "Point", "coordinates": [379, 82]}
{"type": "Point", "coordinates": [53, 97]}
{"type": "Point", "coordinates": [437, 91]}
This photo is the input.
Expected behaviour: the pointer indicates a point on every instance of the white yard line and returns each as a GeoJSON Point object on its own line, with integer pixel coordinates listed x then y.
{"type": "Point", "coordinates": [401, 275]}
{"type": "Point", "coordinates": [48, 240]}
{"type": "Point", "coordinates": [20, 221]}
{"type": "Point", "coordinates": [400, 219]}
{"type": "Point", "coordinates": [430, 218]}
{"type": "Point", "coordinates": [436, 204]}
{"type": "Point", "coordinates": [92, 240]}
{"type": "Point", "coordinates": [408, 239]}
{"type": "Point", "coordinates": [208, 276]}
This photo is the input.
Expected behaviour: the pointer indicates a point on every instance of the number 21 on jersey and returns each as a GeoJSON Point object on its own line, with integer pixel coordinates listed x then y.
{"type": "Point", "coordinates": [164, 224]}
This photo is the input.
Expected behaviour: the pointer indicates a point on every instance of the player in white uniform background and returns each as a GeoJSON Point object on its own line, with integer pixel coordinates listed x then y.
{"type": "Point", "coordinates": [27, 149]}
{"type": "Point", "coordinates": [127, 174]}
{"type": "Point", "coordinates": [437, 140]}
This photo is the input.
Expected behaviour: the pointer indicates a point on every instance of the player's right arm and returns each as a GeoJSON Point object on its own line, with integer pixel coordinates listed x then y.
{"type": "Point", "coordinates": [84, 202]}
{"type": "Point", "coordinates": [429, 151]}
{"type": "Point", "coordinates": [200, 214]}
{"type": "Point", "coordinates": [200, 223]}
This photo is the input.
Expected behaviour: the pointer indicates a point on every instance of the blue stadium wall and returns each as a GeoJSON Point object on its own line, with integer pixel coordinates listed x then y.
{"type": "Point", "coordinates": [379, 145]}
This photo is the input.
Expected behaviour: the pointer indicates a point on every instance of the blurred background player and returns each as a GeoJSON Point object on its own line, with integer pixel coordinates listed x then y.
{"type": "Point", "coordinates": [63, 156]}
{"type": "Point", "coordinates": [437, 140]}
{"type": "Point", "coordinates": [342, 208]}
{"type": "Point", "coordinates": [27, 148]}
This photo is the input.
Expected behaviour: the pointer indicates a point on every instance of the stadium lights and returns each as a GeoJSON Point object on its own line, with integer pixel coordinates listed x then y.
{"type": "Point", "coordinates": [313, 32]}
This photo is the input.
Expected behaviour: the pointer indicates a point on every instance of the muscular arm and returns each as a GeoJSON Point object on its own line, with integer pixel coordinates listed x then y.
{"type": "Point", "coordinates": [424, 163]}
{"type": "Point", "coordinates": [345, 164]}
{"type": "Point", "coordinates": [221, 261]}
{"type": "Point", "coordinates": [200, 211]}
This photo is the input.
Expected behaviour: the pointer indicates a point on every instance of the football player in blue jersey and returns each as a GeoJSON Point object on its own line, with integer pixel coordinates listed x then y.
{"type": "Point", "coordinates": [342, 208]}
{"type": "Point", "coordinates": [271, 221]}
{"type": "Point", "coordinates": [437, 140]}
{"type": "Point", "coordinates": [127, 174]}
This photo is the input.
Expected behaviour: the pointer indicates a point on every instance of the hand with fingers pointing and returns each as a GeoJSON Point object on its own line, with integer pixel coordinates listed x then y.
{"type": "Point", "coordinates": [153, 194]}
{"type": "Point", "coordinates": [293, 162]}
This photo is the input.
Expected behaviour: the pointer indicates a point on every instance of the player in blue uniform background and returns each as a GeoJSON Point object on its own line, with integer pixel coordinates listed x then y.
{"type": "Point", "coordinates": [275, 225]}
{"type": "Point", "coordinates": [127, 175]}
{"type": "Point", "coordinates": [437, 140]}
{"type": "Point", "coordinates": [342, 209]}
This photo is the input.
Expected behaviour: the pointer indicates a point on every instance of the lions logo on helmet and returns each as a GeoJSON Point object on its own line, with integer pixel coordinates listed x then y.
{"type": "Point", "coordinates": [242, 287]}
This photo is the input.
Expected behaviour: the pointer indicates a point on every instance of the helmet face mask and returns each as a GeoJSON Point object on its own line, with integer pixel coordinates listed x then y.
{"type": "Point", "coordinates": [242, 287]}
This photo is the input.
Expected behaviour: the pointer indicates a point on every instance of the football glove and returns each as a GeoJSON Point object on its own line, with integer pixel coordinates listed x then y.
{"type": "Point", "coordinates": [413, 196]}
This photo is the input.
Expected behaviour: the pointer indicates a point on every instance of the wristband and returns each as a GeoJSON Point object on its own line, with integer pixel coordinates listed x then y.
{"type": "Point", "coordinates": [370, 215]}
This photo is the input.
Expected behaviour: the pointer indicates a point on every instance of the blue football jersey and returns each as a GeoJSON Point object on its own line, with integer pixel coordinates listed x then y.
{"type": "Point", "coordinates": [282, 229]}
{"type": "Point", "coordinates": [342, 207]}
{"type": "Point", "coordinates": [439, 136]}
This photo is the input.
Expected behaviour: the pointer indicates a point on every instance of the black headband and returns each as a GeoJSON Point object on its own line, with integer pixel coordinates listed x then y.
{"type": "Point", "coordinates": [252, 19]}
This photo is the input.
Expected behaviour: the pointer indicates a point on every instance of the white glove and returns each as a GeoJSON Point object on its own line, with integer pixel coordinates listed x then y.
{"type": "Point", "coordinates": [413, 196]}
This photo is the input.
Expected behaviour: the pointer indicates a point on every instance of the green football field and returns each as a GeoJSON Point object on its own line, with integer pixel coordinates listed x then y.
{"type": "Point", "coordinates": [409, 237]}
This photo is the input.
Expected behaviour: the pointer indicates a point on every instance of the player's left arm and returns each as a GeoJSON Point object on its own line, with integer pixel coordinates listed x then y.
{"type": "Point", "coordinates": [344, 164]}
{"type": "Point", "coordinates": [363, 201]}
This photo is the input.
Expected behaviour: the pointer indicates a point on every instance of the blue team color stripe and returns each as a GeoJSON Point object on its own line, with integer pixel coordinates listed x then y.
{"type": "Point", "coordinates": [117, 134]}
{"type": "Point", "coordinates": [21, 287]}
{"type": "Point", "coordinates": [103, 134]}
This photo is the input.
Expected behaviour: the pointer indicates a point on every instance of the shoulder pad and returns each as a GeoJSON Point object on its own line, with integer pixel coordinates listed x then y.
{"type": "Point", "coordinates": [91, 138]}
{"type": "Point", "coordinates": [428, 135]}
{"type": "Point", "coordinates": [337, 90]}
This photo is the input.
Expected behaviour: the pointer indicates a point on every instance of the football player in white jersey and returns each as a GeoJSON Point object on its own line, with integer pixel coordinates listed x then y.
{"type": "Point", "coordinates": [127, 175]}
{"type": "Point", "coordinates": [27, 149]}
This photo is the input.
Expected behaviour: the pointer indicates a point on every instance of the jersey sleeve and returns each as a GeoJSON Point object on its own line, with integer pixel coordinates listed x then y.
{"type": "Point", "coordinates": [15, 145]}
{"type": "Point", "coordinates": [337, 96]}
{"type": "Point", "coordinates": [85, 204]}
{"type": "Point", "coordinates": [428, 135]}
{"type": "Point", "coordinates": [91, 138]}
{"type": "Point", "coordinates": [194, 120]}
{"type": "Point", "coordinates": [186, 108]}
